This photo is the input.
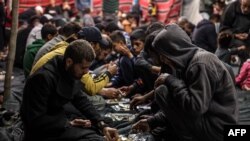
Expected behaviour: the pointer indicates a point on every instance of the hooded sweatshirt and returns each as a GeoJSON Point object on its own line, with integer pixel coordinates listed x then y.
{"type": "Point", "coordinates": [203, 95]}
{"type": "Point", "coordinates": [205, 36]}
{"type": "Point", "coordinates": [30, 54]}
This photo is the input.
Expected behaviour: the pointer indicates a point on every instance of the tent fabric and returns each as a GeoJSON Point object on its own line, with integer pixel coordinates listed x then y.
{"type": "Point", "coordinates": [25, 4]}
{"type": "Point", "coordinates": [168, 10]}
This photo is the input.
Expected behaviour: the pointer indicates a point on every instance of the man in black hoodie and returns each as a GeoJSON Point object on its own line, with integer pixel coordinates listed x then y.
{"type": "Point", "coordinates": [205, 35]}
{"type": "Point", "coordinates": [199, 98]}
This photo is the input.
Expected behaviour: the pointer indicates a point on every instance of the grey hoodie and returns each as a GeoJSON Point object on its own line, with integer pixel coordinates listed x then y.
{"type": "Point", "coordinates": [204, 97]}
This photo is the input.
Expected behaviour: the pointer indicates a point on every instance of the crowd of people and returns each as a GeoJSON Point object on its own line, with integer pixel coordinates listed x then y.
{"type": "Point", "coordinates": [73, 63]}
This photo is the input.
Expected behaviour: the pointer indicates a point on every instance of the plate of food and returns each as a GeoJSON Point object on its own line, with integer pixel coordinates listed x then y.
{"type": "Point", "coordinates": [117, 101]}
{"type": "Point", "coordinates": [121, 116]}
{"type": "Point", "coordinates": [112, 101]}
{"type": "Point", "coordinates": [121, 107]}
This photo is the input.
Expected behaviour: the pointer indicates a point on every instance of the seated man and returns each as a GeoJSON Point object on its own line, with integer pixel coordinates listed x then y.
{"type": "Point", "coordinates": [50, 88]}
{"type": "Point", "coordinates": [196, 100]}
{"type": "Point", "coordinates": [92, 35]}
{"type": "Point", "coordinates": [236, 21]}
{"type": "Point", "coordinates": [48, 32]}
{"type": "Point", "coordinates": [224, 51]}
{"type": "Point", "coordinates": [122, 45]}
{"type": "Point", "coordinates": [101, 60]}
{"type": "Point", "coordinates": [64, 33]}
{"type": "Point", "coordinates": [91, 85]}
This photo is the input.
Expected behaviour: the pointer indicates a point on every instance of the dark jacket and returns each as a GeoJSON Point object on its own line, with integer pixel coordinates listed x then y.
{"type": "Point", "coordinates": [2, 14]}
{"type": "Point", "coordinates": [204, 36]}
{"type": "Point", "coordinates": [96, 64]}
{"type": "Point", "coordinates": [21, 41]}
{"type": "Point", "coordinates": [126, 74]}
{"type": "Point", "coordinates": [142, 66]}
{"type": "Point", "coordinates": [57, 10]}
{"type": "Point", "coordinates": [224, 54]}
{"type": "Point", "coordinates": [204, 96]}
{"type": "Point", "coordinates": [27, 14]}
{"type": "Point", "coordinates": [45, 94]}
{"type": "Point", "coordinates": [235, 22]}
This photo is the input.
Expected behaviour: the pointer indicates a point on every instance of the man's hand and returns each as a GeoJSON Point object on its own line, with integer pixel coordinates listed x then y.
{"type": "Point", "coordinates": [110, 93]}
{"type": "Point", "coordinates": [137, 100]}
{"type": "Point", "coordinates": [156, 69]}
{"type": "Point", "coordinates": [141, 126]}
{"type": "Point", "coordinates": [145, 116]}
{"type": "Point", "coordinates": [112, 68]}
{"type": "Point", "coordinates": [241, 36]}
{"type": "Point", "coordinates": [110, 134]}
{"type": "Point", "coordinates": [80, 122]}
{"type": "Point", "coordinates": [241, 47]}
{"type": "Point", "coordinates": [126, 51]}
{"type": "Point", "coordinates": [161, 79]}
{"type": "Point", "coordinates": [125, 90]}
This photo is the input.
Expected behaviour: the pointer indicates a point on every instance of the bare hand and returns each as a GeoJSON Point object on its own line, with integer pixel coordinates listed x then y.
{"type": "Point", "coordinates": [80, 122]}
{"type": "Point", "coordinates": [110, 93]}
{"type": "Point", "coordinates": [141, 126]}
{"type": "Point", "coordinates": [125, 90]}
{"type": "Point", "coordinates": [126, 51]}
{"type": "Point", "coordinates": [112, 68]}
{"type": "Point", "coordinates": [241, 36]}
{"type": "Point", "coordinates": [109, 84]}
{"type": "Point", "coordinates": [242, 47]}
{"type": "Point", "coordinates": [156, 69]}
{"type": "Point", "coordinates": [145, 116]}
{"type": "Point", "coordinates": [110, 134]}
{"type": "Point", "coordinates": [161, 79]}
{"type": "Point", "coordinates": [137, 100]}
{"type": "Point", "coordinates": [244, 36]}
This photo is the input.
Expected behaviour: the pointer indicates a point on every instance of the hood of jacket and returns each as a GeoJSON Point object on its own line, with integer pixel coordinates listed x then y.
{"type": "Point", "coordinates": [204, 22]}
{"type": "Point", "coordinates": [176, 45]}
{"type": "Point", "coordinates": [37, 44]}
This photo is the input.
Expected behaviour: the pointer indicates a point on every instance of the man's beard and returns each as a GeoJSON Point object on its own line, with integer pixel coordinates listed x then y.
{"type": "Point", "coordinates": [72, 73]}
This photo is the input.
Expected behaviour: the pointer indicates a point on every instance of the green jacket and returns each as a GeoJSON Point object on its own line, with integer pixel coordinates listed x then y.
{"type": "Point", "coordinates": [30, 54]}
